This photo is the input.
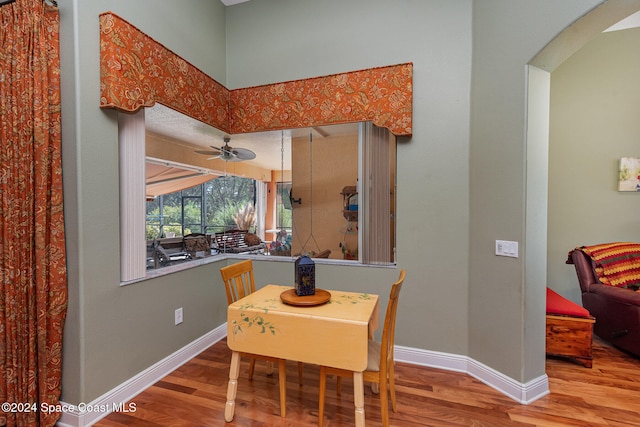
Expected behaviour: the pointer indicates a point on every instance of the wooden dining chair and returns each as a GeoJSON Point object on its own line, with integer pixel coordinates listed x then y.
{"type": "Point", "coordinates": [239, 282]}
{"type": "Point", "coordinates": [380, 369]}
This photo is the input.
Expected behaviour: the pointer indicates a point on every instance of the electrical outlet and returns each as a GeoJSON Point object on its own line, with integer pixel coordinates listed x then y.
{"type": "Point", "coordinates": [507, 248]}
{"type": "Point", "coordinates": [178, 316]}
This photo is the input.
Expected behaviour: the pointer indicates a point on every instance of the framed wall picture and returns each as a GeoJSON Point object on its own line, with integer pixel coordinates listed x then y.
{"type": "Point", "coordinates": [629, 174]}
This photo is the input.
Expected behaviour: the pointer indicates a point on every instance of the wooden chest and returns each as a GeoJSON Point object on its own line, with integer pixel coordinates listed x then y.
{"type": "Point", "coordinates": [570, 336]}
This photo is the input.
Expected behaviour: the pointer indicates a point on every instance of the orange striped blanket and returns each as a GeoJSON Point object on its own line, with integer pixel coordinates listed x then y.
{"type": "Point", "coordinates": [616, 264]}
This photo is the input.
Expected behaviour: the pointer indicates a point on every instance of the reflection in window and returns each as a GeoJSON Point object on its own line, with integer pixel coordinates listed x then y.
{"type": "Point", "coordinates": [284, 219]}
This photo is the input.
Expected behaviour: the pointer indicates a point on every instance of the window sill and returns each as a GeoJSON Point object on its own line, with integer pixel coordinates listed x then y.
{"type": "Point", "coordinates": [186, 265]}
{"type": "Point", "coordinates": [170, 269]}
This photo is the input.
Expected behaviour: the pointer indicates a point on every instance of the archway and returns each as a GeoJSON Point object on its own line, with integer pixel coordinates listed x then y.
{"type": "Point", "coordinates": [555, 53]}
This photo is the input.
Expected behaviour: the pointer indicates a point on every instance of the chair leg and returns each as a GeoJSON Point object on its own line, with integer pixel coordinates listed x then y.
{"type": "Point", "coordinates": [384, 403]}
{"type": "Point", "coordinates": [252, 366]}
{"type": "Point", "coordinates": [323, 389]}
{"type": "Point", "coordinates": [282, 376]}
{"type": "Point", "coordinates": [392, 388]}
{"type": "Point", "coordinates": [375, 388]}
{"type": "Point", "coordinates": [300, 373]}
{"type": "Point", "coordinates": [269, 368]}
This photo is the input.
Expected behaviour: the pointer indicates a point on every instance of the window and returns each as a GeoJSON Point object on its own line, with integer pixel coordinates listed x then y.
{"type": "Point", "coordinates": [175, 214]}
{"type": "Point", "coordinates": [215, 206]}
{"type": "Point", "coordinates": [227, 197]}
{"type": "Point", "coordinates": [205, 208]}
{"type": "Point", "coordinates": [300, 193]}
{"type": "Point", "coordinates": [191, 210]}
{"type": "Point", "coordinates": [321, 168]}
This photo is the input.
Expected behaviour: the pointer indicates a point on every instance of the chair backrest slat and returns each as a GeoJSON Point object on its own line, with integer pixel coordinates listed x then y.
{"type": "Point", "coordinates": [238, 280]}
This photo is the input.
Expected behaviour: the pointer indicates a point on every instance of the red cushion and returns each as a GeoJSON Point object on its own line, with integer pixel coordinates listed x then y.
{"type": "Point", "coordinates": [557, 304]}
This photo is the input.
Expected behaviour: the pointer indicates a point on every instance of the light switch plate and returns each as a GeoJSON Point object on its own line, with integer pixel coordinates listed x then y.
{"type": "Point", "coordinates": [507, 248]}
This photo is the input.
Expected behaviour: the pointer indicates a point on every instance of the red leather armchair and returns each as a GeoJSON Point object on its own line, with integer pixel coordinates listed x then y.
{"type": "Point", "coordinates": [616, 309]}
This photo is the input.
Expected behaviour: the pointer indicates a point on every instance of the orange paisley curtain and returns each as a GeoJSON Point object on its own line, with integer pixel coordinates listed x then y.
{"type": "Point", "coordinates": [33, 277]}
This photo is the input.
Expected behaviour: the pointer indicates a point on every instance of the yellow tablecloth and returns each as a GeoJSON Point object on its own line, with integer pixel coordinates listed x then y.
{"type": "Point", "coordinates": [332, 334]}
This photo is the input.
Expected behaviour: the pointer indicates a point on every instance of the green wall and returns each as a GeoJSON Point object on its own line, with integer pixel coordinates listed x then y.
{"type": "Point", "coordinates": [461, 177]}
{"type": "Point", "coordinates": [594, 122]}
{"type": "Point", "coordinates": [328, 37]}
{"type": "Point", "coordinates": [113, 332]}
{"type": "Point", "coordinates": [506, 313]}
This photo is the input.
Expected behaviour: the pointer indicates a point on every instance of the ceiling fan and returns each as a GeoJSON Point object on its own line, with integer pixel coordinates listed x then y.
{"type": "Point", "coordinates": [227, 153]}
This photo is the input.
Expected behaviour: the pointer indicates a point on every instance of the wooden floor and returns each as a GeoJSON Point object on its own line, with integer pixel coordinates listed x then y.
{"type": "Point", "coordinates": [195, 395]}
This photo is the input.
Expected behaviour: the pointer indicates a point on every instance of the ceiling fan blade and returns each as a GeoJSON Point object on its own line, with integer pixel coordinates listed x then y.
{"type": "Point", "coordinates": [207, 152]}
{"type": "Point", "coordinates": [243, 154]}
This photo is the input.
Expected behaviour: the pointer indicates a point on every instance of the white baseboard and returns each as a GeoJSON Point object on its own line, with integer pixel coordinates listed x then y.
{"type": "Point", "coordinates": [116, 398]}
{"type": "Point", "coordinates": [73, 416]}
{"type": "Point", "coordinates": [521, 393]}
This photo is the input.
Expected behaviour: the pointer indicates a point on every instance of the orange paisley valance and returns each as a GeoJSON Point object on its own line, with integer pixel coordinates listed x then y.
{"type": "Point", "coordinates": [136, 71]}
{"type": "Point", "coordinates": [381, 95]}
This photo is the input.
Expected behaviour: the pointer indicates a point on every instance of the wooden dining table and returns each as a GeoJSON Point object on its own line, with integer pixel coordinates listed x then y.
{"type": "Point", "coordinates": [332, 333]}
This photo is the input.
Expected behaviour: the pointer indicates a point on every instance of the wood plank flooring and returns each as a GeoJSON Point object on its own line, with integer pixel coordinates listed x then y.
{"type": "Point", "coordinates": [195, 395]}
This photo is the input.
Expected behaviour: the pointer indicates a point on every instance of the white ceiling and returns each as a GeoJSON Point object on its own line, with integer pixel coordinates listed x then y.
{"type": "Point", "coordinates": [631, 21]}
{"type": "Point", "coordinates": [173, 125]}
